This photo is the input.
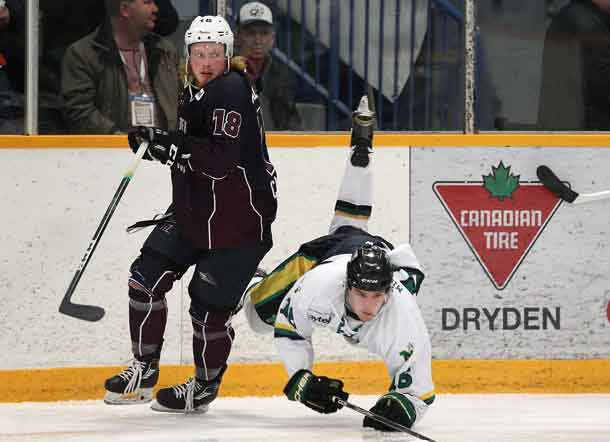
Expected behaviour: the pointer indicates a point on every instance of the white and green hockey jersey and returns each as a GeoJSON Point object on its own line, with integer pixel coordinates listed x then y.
{"type": "Point", "coordinates": [397, 334]}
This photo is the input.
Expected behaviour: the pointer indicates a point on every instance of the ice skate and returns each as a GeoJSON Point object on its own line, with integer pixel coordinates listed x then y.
{"type": "Point", "coordinates": [134, 385]}
{"type": "Point", "coordinates": [363, 121]}
{"type": "Point", "coordinates": [194, 396]}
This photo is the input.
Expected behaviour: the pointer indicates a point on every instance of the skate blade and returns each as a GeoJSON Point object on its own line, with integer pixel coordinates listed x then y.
{"type": "Point", "coordinates": [141, 396]}
{"type": "Point", "coordinates": [156, 406]}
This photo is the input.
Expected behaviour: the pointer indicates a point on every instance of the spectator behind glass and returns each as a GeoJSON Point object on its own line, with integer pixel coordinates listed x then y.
{"type": "Point", "coordinates": [12, 62]}
{"type": "Point", "coordinates": [12, 80]}
{"type": "Point", "coordinates": [275, 83]}
{"type": "Point", "coordinates": [575, 91]}
{"type": "Point", "coordinates": [58, 30]}
{"type": "Point", "coordinates": [121, 75]}
{"type": "Point", "coordinates": [62, 29]}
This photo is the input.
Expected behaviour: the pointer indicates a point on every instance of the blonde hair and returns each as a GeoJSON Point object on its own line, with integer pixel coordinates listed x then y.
{"type": "Point", "coordinates": [238, 63]}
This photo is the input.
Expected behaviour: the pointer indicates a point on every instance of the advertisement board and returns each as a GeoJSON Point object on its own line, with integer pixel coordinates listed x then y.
{"type": "Point", "coordinates": [513, 272]}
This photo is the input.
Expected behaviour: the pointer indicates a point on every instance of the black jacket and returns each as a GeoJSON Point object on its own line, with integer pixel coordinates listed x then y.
{"type": "Point", "coordinates": [575, 91]}
{"type": "Point", "coordinates": [12, 44]}
{"type": "Point", "coordinates": [276, 86]}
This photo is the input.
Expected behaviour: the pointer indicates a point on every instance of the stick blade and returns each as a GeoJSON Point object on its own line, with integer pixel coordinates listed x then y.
{"type": "Point", "coordinates": [548, 178]}
{"type": "Point", "coordinates": [91, 313]}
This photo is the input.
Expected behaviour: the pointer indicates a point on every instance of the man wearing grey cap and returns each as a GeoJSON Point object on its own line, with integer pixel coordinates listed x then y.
{"type": "Point", "coordinates": [274, 82]}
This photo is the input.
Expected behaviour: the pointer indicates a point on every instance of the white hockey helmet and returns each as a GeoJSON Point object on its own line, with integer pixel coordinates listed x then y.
{"type": "Point", "coordinates": [209, 28]}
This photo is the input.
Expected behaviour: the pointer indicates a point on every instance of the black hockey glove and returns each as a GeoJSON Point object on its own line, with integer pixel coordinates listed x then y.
{"type": "Point", "coordinates": [394, 406]}
{"type": "Point", "coordinates": [165, 147]}
{"type": "Point", "coordinates": [316, 392]}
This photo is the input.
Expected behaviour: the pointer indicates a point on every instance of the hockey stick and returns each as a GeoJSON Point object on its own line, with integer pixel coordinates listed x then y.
{"type": "Point", "coordinates": [94, 313]}
{"type": "Point", "coordinates": [559, 188]}
{"type": "Point", "coordinates": [396, 426]}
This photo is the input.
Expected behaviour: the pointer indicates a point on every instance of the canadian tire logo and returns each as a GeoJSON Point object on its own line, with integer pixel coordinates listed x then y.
{"type": "Point", "coordinates": [500, 218]}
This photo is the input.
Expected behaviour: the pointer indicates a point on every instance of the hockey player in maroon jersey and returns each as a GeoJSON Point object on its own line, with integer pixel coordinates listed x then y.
{"type": "Point", "coordinates": [224, 201]}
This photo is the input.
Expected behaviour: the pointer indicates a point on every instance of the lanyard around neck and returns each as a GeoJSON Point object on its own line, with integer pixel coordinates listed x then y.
{"type": "Point", "coordinates": [142, 72]}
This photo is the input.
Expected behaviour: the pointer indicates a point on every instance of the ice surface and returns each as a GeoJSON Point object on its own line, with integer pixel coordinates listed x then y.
{"type": "Point", "coordinates": [452, 418]}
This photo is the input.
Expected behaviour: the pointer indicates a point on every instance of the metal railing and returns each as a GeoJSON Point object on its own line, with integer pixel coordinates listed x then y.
{"type": "Point", "coordinates": [327, 71]}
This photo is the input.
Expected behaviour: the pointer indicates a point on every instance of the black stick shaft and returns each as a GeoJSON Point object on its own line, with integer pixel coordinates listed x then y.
{"type": "Point", "coordinates": [383, 420]}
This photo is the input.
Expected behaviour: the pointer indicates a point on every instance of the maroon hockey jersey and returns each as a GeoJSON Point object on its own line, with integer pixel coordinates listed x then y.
{"type": "Point", "coordinates": [225, 195]}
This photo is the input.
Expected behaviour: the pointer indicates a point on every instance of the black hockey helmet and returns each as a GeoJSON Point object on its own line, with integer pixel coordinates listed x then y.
{"type": "Point", "coordinates": [369, 269]}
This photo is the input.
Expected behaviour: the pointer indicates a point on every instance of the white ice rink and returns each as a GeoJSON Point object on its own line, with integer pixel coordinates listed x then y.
{"type": "Point", "coordinates": [452, 418]}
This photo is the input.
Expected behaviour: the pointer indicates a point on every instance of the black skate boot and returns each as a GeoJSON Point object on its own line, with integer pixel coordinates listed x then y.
{"type": "Point", "coordinates": [363, 121]}
{"type": "Point", "coordinates": [134, 385]}
{"type": "Point", "coordinates": [194, 396]}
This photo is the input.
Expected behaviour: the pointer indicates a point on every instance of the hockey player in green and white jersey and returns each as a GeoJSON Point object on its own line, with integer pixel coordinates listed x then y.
{"type": "Point", "coordinates": [358, 285]}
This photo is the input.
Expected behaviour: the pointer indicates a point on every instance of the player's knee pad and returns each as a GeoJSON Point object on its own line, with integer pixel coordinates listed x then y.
{"type": "Point", "coordinates": [152, 276]}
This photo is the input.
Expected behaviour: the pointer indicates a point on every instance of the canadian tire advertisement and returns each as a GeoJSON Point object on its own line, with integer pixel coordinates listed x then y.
{"type": "Point", "coordinates": [512, 271]}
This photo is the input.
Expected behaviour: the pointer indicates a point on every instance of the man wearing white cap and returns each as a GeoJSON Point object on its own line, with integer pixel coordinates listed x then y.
{"type": "Point", "coordinates": [274, 82]}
